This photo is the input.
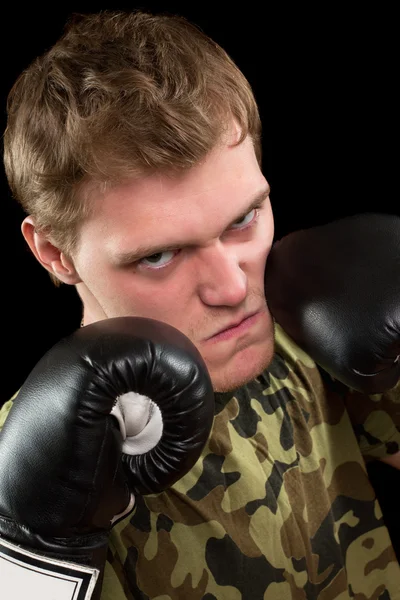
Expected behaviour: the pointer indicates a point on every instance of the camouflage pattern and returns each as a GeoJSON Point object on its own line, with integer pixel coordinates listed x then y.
{"type": "Point", "coordinates": [278, 507]}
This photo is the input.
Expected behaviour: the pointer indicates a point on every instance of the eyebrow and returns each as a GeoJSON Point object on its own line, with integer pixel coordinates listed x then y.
{"type": "Point", "coordinates": [125, 258]}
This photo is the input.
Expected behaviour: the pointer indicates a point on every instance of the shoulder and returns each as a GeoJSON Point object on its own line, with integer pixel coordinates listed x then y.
{"type": "Point", "coordinates": [293, 367]}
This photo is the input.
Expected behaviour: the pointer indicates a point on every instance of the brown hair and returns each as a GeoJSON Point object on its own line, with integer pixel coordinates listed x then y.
{"type": "Point", "coordinates": [121, 94]}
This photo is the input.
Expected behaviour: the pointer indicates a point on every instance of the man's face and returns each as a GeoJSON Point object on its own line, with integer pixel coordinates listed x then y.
{"type": "Point", "coordinates": [189, 250]}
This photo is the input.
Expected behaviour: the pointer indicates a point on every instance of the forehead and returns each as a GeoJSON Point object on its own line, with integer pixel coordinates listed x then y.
{"type": "Point", "coordinates": [158, 208]}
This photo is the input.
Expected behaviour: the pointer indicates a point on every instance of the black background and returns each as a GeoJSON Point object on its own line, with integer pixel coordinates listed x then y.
{"type": "Point", "coordinates": [325, 79]}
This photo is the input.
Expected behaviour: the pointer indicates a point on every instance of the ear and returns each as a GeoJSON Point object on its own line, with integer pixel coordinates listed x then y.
{"type": "Point", "coordinates": [49, 256]}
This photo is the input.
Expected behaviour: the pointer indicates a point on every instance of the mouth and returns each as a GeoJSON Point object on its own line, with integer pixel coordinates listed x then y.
{"type": "Point", "coordinates": [235, 328]}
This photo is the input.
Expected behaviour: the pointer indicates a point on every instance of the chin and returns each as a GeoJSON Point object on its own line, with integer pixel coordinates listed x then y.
{"type": "Point", "coordinates": [243, 367]}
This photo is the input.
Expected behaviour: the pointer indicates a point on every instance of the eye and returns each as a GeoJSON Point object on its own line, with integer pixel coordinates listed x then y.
{"type": "Point", "coordinates": [157, 260]}
{"type": "Point", "coordinates": [245, 220]}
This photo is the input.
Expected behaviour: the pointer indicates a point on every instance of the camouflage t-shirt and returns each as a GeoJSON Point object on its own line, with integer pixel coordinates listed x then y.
{"type": "Point", "coordinates": [278, 507]}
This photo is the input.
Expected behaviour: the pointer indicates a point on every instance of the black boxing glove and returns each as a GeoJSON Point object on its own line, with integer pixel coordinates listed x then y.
{"type": "Point", "coordinates": [73, 455]}
{"type": "Point", "coordinates": [335, 289]}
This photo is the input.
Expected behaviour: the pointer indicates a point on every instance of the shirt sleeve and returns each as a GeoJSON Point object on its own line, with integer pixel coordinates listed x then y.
{"type": "Point", "coordinates": [376, 422]}
{"type": "Point", "coordinates": [4, 410]}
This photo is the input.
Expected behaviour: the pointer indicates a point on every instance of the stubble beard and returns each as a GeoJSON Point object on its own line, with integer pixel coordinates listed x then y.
{"type": "Point", "coordinates": [233, 381]}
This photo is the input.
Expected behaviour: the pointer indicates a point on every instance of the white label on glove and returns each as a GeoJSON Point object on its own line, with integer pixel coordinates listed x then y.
{"type": "Point", "coordinates": [25, 575]}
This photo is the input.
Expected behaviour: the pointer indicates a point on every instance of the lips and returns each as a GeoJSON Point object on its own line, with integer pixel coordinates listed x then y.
{"type": "Point", "coordinates": [233, 324]}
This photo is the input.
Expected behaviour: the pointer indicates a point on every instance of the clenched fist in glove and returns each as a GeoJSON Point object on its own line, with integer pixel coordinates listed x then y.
{"type": "Point", "coordinates": [335, 289]}
{"type": "Point", "coordinates": [119, 408]}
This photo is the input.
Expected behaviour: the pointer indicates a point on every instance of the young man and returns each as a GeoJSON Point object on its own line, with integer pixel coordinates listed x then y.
{"type": "Point", "coordinates": [134, 147]}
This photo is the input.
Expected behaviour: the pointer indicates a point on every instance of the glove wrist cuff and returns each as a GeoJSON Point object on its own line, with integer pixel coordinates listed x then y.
{"type": "Point", "coordinates": [26, 574]}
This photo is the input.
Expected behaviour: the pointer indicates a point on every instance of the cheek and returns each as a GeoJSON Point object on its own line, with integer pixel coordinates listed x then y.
{"type": "Point", "coordinates": [266, 233]}
{"type": "Point", "coordinates": [268, 226]}
{"type": "Point", "coordinates": [164, 300]}
{"type": "Point", "coordinates": [261, 247]}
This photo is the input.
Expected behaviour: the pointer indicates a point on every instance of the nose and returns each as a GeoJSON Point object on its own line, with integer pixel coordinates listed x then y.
{"type": "Point", "coordinates": [222, 282]}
